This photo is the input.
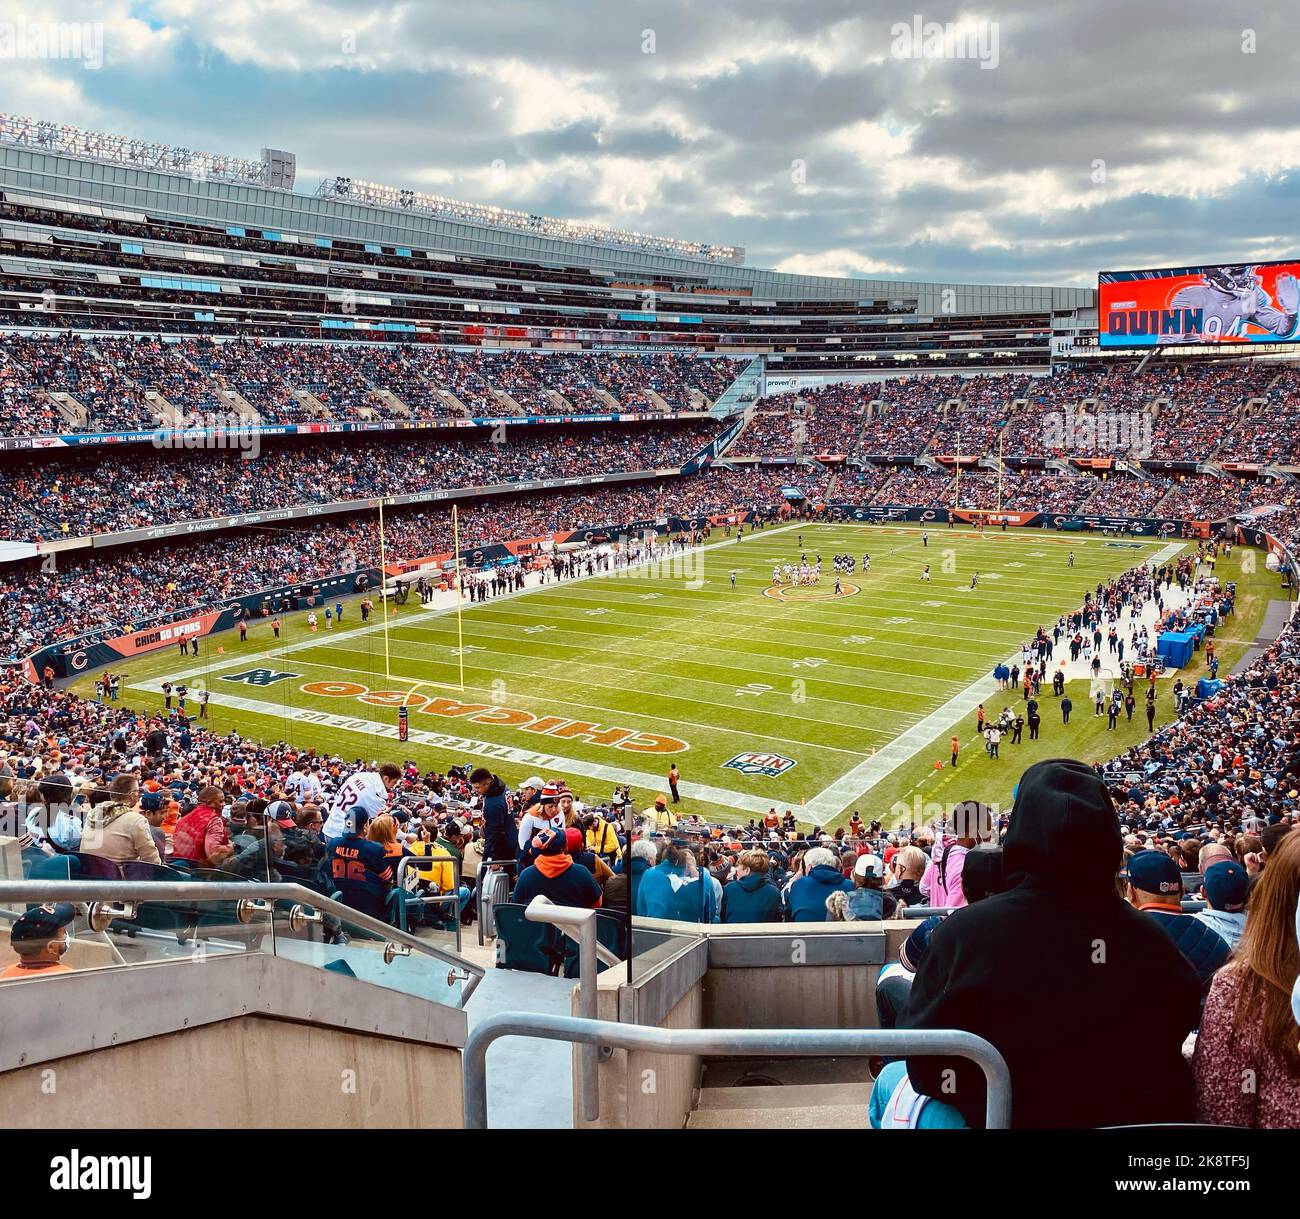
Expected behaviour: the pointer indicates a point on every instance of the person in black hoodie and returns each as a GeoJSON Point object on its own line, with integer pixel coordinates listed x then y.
{"type": "Point", "coordinates": [1055, 971]}
{"type": "Point", "coordinates": [498, 825]}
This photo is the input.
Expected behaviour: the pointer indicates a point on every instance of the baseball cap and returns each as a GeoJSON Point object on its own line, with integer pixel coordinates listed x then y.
{"type": "Point", "coordinates": [280, 810]}
{"type": "Point", "coordinates": [1227, 886]}
{"type": "Point", "coordinates": [535, 783]}
{"type": "Point", "coordinates": [40, 924]}
{"type": "Point", "coordinates": [868, 865]}
{"type": "Point", "coordinates": [1154, 872]}
{"type": "Point", "coordinates": [572, 839]}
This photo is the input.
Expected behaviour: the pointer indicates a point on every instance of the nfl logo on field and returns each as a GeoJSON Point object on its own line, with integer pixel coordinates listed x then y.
{"type": "Point", "coordinates": [769, 764]}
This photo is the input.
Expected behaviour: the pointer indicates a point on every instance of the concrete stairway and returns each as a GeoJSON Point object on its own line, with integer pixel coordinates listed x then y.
{"type": "Point", "coordinates": [240, 405]}
{"type": "Point", "coordinates": [787, 1094]}
{"type": "Point", "coordinates": [455, 403]}
{"type": "Point", "coordinates": [311, 404]}
{"type": "Point", "coordinates": [392, 402]}
{"type": "Point", "coordinates": [506, 404]}
{"type": "Point", "coordinates": [168, 415]}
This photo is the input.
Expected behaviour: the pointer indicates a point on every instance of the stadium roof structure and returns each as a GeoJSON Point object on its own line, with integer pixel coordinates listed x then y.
{"type": "Point", "coordinates": [144, 154]}
{"type": "Point", "coordinates": [43, 163]}
{"type": "Point", "coordinates": [355, 190]}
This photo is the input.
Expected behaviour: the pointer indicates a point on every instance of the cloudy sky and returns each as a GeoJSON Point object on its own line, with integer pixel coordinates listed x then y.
{"type": "Point", "coordinates": [1045, 141]}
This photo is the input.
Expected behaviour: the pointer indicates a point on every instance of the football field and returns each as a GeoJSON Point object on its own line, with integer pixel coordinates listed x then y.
{"type": "Point", "coordinates": [795, 697]}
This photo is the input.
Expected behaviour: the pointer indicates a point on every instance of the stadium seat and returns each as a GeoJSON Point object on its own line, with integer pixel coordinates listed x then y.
{"type": "Point", "coordinates": [526, 946]}
{"type": "Point", "coordinates": [611, 933]}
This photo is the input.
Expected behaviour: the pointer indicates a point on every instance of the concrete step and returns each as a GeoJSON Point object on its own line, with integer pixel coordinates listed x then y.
{"type": "Point", "coordinates": [727, 1072]}
{"type": "Point", "coordinates": [791, 1096]}
{"type": "Point", "coordinates": [809, 1117]}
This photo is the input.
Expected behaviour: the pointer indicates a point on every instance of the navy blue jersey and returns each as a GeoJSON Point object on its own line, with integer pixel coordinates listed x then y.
{"type": "Point", "coordinates": [362, 873]}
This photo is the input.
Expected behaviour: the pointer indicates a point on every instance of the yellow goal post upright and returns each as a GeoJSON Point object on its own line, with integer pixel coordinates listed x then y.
{"type": "Point", "coordinates": [459, 684]}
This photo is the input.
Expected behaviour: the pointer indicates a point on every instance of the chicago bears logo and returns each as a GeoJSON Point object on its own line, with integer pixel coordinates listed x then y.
{"type": "Point", "coordinates": [260, 677]}
{"type": "Point", "coordinates": [768, 764]}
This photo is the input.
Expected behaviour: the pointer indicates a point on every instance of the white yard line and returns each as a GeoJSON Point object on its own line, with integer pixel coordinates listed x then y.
{"type": "Point", "coordinates": [449, 607]}
{"type": "Point", "coordinates": [856, 783]}
{"type": "Point", "coordinates": [821, 808]}
{"type": "Point", "coordinates": [413, 685]}
{"type": "Point", "coordinates": [456, 745]}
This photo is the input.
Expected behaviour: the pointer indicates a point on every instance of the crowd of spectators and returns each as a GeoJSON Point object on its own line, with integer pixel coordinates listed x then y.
{"type": "Point", "coordinates": [109, 379]}
{"type": "Point", "coordinates": [114, 590]}
{"type": "Point", "coordinates": [141, 487]}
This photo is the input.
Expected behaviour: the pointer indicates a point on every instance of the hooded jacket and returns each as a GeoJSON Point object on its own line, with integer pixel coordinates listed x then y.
{"type": "Point", "coordinates": [808, 894]}
{"type": "Point", "coordinates": [1230, 926]}
{"type": "Point", "coordinates": [560, 878]}
{"type": "Point", "coordinates": [1057, 971]}
{"type": "Point", "coordinates": [667, 892]}
{"type": "Point", "coordinates": [498, 826]}
{"type": "Point", "coordinates": [117, 832]}
{"type": "Point", "coordinates": [751, 899]}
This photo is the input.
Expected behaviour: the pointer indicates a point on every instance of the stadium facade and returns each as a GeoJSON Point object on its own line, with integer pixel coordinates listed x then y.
{"type": "Point", "coordinates": [634, 289]}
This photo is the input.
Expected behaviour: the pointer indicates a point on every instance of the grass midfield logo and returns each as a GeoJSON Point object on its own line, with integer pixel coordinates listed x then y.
{"type": "Point", "coordinates": [812, 592]}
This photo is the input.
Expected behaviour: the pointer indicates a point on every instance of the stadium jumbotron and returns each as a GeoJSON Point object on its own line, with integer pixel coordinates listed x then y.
{"type": "Point", "coordinates": [554, 674]}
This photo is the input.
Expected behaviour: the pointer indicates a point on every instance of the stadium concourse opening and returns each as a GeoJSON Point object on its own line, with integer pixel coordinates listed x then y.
{"type": "Point", "coordinates": [466, 667]}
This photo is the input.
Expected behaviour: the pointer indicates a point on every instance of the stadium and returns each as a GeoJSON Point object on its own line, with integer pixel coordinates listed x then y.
{"type": "Point", "coordinates": [562, 677]}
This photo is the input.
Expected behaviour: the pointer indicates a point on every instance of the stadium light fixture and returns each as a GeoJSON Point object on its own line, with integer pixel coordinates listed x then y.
{"type": "Point", "coordinates": [356, 190]}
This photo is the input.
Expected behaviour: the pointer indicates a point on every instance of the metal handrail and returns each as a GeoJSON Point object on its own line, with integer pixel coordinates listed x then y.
{"type": "Point", "coordinates": [735, 1043]}
{"type": "Point", "coordinates": [203, 890]}
{"type": "Point", "coordinates": [433, 899]}
{"type": "Point", "coordinates": [580, 925]}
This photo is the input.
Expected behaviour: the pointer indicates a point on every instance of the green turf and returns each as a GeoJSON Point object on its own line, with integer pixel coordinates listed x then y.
{"type": "Point", "coordinates": [679, 653]}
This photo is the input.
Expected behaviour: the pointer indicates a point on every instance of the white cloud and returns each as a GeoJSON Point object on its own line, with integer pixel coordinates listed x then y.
{"type": "Point", "coordinates": [837, 262]}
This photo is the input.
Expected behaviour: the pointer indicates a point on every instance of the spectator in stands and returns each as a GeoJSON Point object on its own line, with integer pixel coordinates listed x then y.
{"type": "Point", "coordinates": [1225, 890]}
{"type": "Point", "coordinates": [360, 869]}
{"type": "Point", "coordinates": [1270, 837]}
{"type": "Point", "coordinates": [498, 824]}
{"type": "Point", "coordinates": [641, 856]}
{"type": "Point", "coordinates": [1247, 1058]}
{"type": "Point", "coordinates": [1155, 887]}
{"type": "Point", "coordinates": [751, 897]}
{"type": "Point", "coordinates": [40, 937]}
{"type": "Point", "coordinates": [117, 829]}
{"type": "Point", "coordinates": [201, 836]}
{"type": "Point", "coordinates": [867, 900]}
{"type": "Point", "coordinates": [822, 877]}
{"type": "Point", "coordinates": [153, 804]}
{"type": "Point", "coordinates": [1097, 967]}
{"type": "Point", "coordinates": [555, 874]}
{"type": "Point", "coordinates": [905, 871]}
{"type": "Point", "coordinates": [941, 883]}
{"type": "Point", "coordinates": [674, 888]}
{"type": "Point", "coordinates": [982, 876]}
